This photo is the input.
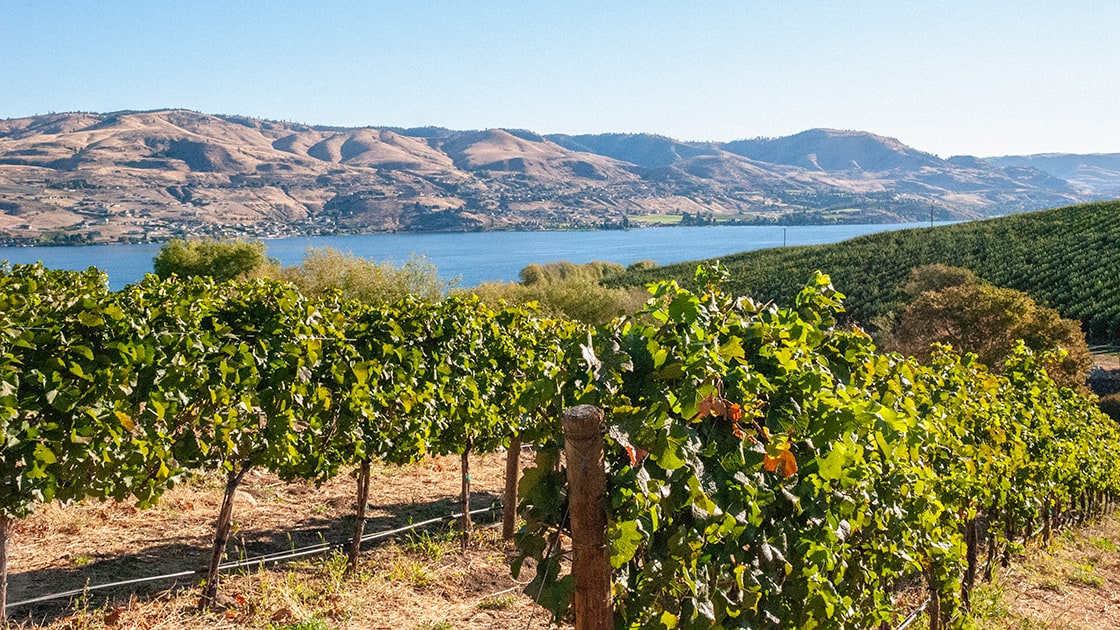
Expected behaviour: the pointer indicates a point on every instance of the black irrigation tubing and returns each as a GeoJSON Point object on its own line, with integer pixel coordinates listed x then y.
{"type": "Point", "coordinates": [323, 548]}
{"type": "Point", "coordinates": [914, 615]}
{"type": "Point", "coordinates": [251, 562]}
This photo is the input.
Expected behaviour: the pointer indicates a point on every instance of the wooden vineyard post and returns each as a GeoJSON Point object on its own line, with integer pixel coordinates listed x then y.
{"type": "Point", "coordinates": [1047, 522]}
{"type": "Point", "coordinates": [991, 555]}
{"type": "Point", "coordinates": [587, 493]}
{"type": "Point", "coordinates": [465, 496]}
{"type": "Point", "coordinates": [933, 611]}
{"type": "Point", "coordinates": [5, 529]}
{"type": "Point", "coordinates": [360, 522]}
{"type": "Point", "coordinates": [1009, 535]}
{"type": "Point", "coordinates": [972, 545]}
{"type": "Point", "coordinates": [513, 470]}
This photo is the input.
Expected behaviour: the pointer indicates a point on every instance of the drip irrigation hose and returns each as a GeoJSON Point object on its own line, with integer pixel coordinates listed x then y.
{"type": "Point", "coordinates": [914, 615]}
{"type": "Point", "coordinates": [250, 562]}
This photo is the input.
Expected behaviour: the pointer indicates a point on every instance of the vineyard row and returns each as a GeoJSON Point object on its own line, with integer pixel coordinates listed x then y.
{"type": "Point", "coordinates": [765, 467]}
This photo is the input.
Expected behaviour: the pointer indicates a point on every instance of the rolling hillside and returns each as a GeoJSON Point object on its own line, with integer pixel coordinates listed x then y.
{"type": "Point", "coordinates": [1067, 258]}
{"type": "Point", "coordinates": [125, 176]}
{"type": "Point", "coordinates": [1099, 173]}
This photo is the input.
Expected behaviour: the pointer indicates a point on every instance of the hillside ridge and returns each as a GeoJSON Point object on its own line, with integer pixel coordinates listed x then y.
{"type": "Point", "coordinates": [1066, 258]}
{"type": "Point", "coordinates": [153, 175]}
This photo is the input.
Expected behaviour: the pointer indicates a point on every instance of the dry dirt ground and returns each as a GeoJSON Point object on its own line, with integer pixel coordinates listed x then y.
{"type": "Point", "coordinates": [1074, 584]}
{"type": "Point", "coordinates": [416, 581]}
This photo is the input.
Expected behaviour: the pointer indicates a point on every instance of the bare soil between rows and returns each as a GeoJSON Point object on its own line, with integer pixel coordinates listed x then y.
{"type": "Point", "coordinates": [417, 580]}
{"type": "Point", "coordinates": [1073, 584]}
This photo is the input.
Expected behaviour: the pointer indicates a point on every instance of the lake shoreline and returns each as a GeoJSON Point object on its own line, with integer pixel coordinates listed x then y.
{"type": "Point", "coordinates": [6, 242]}
{"type": "Point", "coordinates": [477, 257]}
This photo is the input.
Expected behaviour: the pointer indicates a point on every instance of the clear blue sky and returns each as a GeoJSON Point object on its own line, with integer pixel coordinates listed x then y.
{"type": "Point", "coordinates": [950, 77]}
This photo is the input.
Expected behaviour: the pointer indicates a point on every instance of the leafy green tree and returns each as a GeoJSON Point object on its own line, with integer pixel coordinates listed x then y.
{"type": "Point", "coordinates": [253, 399]}
{"type": "Point", "coordinates": [563, 270]}
{"type": "Point", "coordinates": [383, 392]}
{"type": "Point", "coordinates": [463, 348]}
{"type": "Point", "coordinates": [564, 289]}
{"type": "Point", "coordinates": [220, 260]}
{"type": "Point", "coordinates": [325, 270]}
{"type": "Point", "coordinates": [954, 308]}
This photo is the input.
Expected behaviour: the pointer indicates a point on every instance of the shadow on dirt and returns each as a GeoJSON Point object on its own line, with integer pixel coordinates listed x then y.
{"type": "Point", "coordinates": [173, 555]}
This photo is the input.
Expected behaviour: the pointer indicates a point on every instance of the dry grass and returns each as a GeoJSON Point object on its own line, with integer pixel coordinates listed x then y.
{"type": "Point", "coordinates": [1074, 584]}
{"type": "Point", "coordinates": [421, 580]}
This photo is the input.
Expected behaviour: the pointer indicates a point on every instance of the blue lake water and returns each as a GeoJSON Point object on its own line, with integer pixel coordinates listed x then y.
{"type": "Point", "coordinates": [479, 257]}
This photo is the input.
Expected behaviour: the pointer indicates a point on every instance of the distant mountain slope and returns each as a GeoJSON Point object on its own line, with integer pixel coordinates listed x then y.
{"type": "Point", "coordinates": [151, 175]}
{"type": "Point", "coordinates": [643, 149]}
{"type": "Point", "coordinates": [501, 150]}
{"type": "Point", "coordinates": [1067, 258]}
{"type": "Point", "coordinates": [834, 150]}
{"type": "Point", "coordinates": [365, 147]}
{"type": "Point", "coordinates": [1093, 174]}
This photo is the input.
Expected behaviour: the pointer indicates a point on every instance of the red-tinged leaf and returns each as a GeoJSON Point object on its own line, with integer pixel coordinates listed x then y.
{"type": "Point", "coordinates": [241, 599]}
{"type": "Point", "coordinates": [113, 617]}
{"type": "Point", "coordinates": [789, 463]}
{"type": "Point", "coordinates": [706, 406]}
{"type": "Point", "coordinates": [770, 464]}
{"type": "Point", "coordinates": [735, 412]}
{"type": "Point", "coordinates": [719, 407]}
{"type": "Point", "coordinates": [784, 463]}
{"type": "Point", "coordinates": [637, 454]}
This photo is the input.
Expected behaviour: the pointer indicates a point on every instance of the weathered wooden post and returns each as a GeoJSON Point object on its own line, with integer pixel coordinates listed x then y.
{"type": "Point", "coordinates": [360, 522]}
{"type": "Point", "coordinates": [587, 499]}
{"type": "Point", "coordinates": [1047, 521]}
{"type": "Point", "coordinates": [933, 611]}
{"type": "Point", "coordinates": [992, 543]}
{"type": "Point", "coordinates": [513, 471]}
{"type": "Point", "coordinates": [465, 496]}
{"type": "Point", "coordinates": [972, 555]}
{"type": "Point", "coordinates": [5, 530]}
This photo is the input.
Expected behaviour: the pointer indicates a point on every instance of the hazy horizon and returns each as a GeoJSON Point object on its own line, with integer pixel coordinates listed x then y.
{"type": "Point", "coordinates": [1002, 78]}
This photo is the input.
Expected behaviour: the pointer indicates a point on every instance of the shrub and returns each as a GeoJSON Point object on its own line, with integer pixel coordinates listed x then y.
{"type": "Point", "coordinates": [1110, 404]}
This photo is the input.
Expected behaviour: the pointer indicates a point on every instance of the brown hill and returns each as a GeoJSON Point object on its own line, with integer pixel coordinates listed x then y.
{"type": "Point", "coordinates": [152, 175]}
{"type": "Point", "coordinates": [835, 150]}
{"type": "Point", "coordinates": [500, 150]}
